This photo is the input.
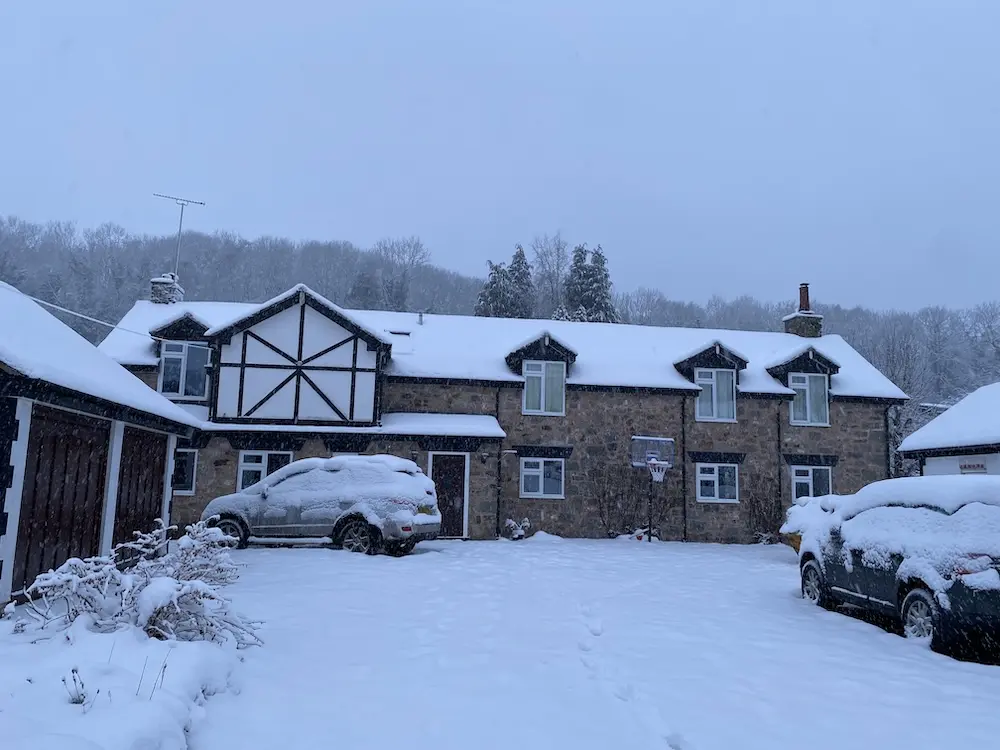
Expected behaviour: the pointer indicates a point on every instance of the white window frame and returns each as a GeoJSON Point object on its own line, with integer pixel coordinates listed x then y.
{"type": "Point", "coordinates": [543, 364]}
{"type": "Point", "coordinates": [697, 483]}
{"type": "Point", "coordinates": [808, 422]}
{"type": "Point", "coordinates": [243, 465]}
{"type": "Point", "coordinates": [194, 473]}
{"type": "Point", "coordinates": [810, 479]}
{"type": "Point", "coordinates": [709, 374]}
{"type": "Point", "coordinates": [183, 357]}
{"type": "Point", "coordinates": [540, 472]}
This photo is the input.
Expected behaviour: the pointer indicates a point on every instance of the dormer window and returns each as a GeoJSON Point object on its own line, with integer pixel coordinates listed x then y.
{"type": "Point", "coordinates": [183, 369]}
{"type": "Point", "coordinates": [811, 405]}
{"type": "Point", "coordinates": [544, 388]}
{"type": "Point", "coordinates": [717, 400]}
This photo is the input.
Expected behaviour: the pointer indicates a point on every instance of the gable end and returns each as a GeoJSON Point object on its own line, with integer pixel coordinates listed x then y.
{"type": "Point", "coordinates": [544, 349]}
{"type": "Point", "coordinates": [810, 362]}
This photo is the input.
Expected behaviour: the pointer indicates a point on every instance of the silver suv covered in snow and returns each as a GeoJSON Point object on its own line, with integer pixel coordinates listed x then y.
{"type": "Point", "coordinates": [362, 503]}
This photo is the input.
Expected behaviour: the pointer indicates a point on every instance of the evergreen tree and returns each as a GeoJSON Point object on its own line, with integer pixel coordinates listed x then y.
{"type": "Point", "coordinates": [365, 292]}
{"type": "Point", "coordinates": [581, 315]}
{"type": "Point", "coordinates": [598, 300]}
{"type": "Point", "coordinates": [496, 300]}
{"type": "Point", "coordinates": [560, 313]}
{"type": "Point", "coordinates": [576, 280]}
{"type": "Point", "coordinates": [522, 287]}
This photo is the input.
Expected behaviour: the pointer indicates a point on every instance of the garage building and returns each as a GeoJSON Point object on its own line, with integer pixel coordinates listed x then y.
{"type": "Point", "coordinates": [85, 447]}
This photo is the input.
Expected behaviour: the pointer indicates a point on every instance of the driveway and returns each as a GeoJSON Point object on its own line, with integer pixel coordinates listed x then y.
{"type": "Point", "coordinates": [577, 644]}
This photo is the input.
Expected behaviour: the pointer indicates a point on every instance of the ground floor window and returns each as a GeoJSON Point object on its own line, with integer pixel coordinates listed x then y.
{"type": "Point", "coordinates": [718, 483]}
{"type": "Point", "coordinates": [185, 469]}
{"type": "Point", "coordinates": [255, 465]}
{"type": "Point", "coordinates": [542, 477]}
{"type": "Point", "coordinates": [811, 481]}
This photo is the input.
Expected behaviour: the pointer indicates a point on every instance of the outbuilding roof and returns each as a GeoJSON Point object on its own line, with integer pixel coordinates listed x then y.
{"type": "Point", "coordinates": [38, 346]}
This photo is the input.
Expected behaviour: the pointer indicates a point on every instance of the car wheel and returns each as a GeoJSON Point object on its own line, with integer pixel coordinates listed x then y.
{"type": "Point", "coordinates": [236, 529]}
{"type": "Point", "coordinates": [400, 549]}
{"type": "Point", "coordinates": [359, 536]}
{"type": "Point", "coordinates": [921, 616]}
{"type": "Point", "coordinates": [814, 585]}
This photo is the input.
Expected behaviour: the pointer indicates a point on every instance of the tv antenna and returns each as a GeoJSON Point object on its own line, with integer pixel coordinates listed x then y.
{"type": "Point", "coordinates": [182, 202]}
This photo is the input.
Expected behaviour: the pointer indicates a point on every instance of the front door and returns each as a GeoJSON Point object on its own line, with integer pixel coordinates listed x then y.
{"type": "Point", "coordinates": [448, 470]}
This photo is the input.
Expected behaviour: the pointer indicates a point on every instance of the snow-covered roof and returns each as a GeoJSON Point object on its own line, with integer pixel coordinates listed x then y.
{"type": "Point", "coordinates": [394, 423]}
{"type": "Point", "coordinates": [38, 345]}
{"type": "Point", "coordinates": [973, 421]}
{"type": "Point", "coordinates": [467, 347]}
{"type": "Point", "coordinates": [238, 317]}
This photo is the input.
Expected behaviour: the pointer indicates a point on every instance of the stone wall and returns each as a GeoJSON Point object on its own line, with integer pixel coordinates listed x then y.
{"type": "Point", "coordinates": [597, 426]}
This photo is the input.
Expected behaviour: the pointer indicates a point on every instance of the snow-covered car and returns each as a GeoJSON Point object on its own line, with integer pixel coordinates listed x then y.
{"type": "Point", "coordinates": [362, 503]}
{"type": "Point", "coordinates": [923, 549]}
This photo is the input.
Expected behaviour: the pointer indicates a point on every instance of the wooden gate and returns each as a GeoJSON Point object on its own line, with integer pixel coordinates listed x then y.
{"type": "Point", "coordinates": [62, 500]}
{"type": "Point", "coordinates": [140, 483]}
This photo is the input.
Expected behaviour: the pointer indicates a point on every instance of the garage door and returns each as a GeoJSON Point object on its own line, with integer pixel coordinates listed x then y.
{"type": "Point", "coordinates": [140, 484]}
{"type": "Point", "coordinates": [61, 505]}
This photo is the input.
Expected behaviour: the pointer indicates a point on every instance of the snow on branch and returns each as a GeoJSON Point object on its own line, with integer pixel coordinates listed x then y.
{"type": "Point", "coordinates": [170, 595]}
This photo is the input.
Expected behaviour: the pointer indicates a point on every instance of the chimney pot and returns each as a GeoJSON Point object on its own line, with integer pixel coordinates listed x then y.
{"type": "Point", "coordinates": [804, 322]}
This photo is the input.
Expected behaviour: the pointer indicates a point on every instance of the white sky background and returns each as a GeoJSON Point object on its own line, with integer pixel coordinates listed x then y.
{"type": "Point", "coordinates": [712, 146]}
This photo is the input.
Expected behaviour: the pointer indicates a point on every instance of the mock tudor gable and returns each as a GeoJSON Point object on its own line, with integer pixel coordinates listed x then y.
{"type": "Point", "coordinates": [297, 359]}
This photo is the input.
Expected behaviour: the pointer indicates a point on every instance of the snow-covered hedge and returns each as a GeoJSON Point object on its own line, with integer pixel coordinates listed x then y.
{"type": "Point", "coordinates": [170, 594]}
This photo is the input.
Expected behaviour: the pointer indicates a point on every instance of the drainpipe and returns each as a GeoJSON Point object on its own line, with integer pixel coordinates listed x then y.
{"type": "Point", "coordinates": [496, 413]}
{"type": "Point", "coordinates": [888, 447]}
{"type": "Point", "coordinates": [684, 474]}
{"type": "Point", "coordinates": [781, 484]}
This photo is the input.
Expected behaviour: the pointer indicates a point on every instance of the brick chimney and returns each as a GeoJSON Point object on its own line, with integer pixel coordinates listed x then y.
{"type": "Point", "coordinates": [804, 322]}
{"type": "Point", "coordinates": [165, 289]}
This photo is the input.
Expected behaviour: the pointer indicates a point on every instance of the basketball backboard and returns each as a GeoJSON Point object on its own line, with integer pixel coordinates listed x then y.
{"type": "Point", "coordinates": [645, 448]}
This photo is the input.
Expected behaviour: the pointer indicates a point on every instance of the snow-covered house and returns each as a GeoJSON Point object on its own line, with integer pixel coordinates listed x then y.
{"type": "Point", "coordinates": [963, 439]}
{"type": "Point", "coordinates": [514, 418]}
{"type": "Point", "coordinates": [85, 447]}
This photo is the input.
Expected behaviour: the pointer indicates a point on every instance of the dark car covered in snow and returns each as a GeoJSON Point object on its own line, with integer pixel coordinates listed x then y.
{"type": "Point", "coordinates": [362, 503]}
{"type": "Point", "coordinates": [923, 549]}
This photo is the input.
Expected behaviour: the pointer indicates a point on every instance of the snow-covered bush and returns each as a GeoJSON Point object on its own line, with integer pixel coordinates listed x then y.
{"type": "Point", "coordinates": [171, 595]}
{"type": "Point", "coordinates": [517, 529]}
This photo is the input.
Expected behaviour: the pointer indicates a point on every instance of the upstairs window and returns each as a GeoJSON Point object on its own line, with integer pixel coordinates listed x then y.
{"type": "Point", "coordinates": [183, 370]}
{"type": "Point", "coordinates": [811, 405]}
{"type": "Point", "coordinates": [544, 388]}
{"type": "Point", "coordinates": [811, 481]}
{"type": "Point", "coordinates": [255, 465]}
{"type": "Point", "coordinates": [717, 400]}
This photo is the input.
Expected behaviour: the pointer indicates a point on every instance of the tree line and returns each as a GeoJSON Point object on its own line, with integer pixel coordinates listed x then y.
{"type": "Point", "coordinates": [937, 355]}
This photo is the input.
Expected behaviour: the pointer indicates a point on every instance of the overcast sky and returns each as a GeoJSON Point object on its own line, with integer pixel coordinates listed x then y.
{"type": "Point", "coordinates": [711, 146]}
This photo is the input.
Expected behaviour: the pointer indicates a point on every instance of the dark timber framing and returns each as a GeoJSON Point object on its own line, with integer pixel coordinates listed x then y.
{"type": "Point", "coordinates": [297, 367]}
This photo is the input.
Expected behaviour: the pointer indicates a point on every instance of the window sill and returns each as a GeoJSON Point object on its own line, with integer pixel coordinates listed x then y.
{"type": "Point", "coordinates": [176, 397]}
{"type": "Point", "coordinates": [713, 419]}
{"type": "Point", "coordinates": [717, 501]}
{"type": "Point", "coordinates": [810, 424]}
{"type": "Point", "coordinates": [184, 493]}
{"type": "Point", "coordinates": [543, 413]}
{"type": "Point", "coordinates": [543, 497]}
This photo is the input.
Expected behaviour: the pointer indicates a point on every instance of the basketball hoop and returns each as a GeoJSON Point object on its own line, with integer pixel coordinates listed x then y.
{"type": "Point", "coordinates": [657, 469]}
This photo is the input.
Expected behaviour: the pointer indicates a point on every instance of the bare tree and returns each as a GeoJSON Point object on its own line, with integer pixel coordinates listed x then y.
{"type": "Point", "coordinates": [402, 256]}
{"type": "Point", "coordinates": [622, 495]}
{"type": "Point", "coordinates": [551, 265]}
{"type": "Point", "coordinates": [760, 498]}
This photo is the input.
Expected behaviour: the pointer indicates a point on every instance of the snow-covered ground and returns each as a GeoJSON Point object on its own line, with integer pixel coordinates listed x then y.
{"type": "Point", "coordinates": [129, 692]}
{"type": "Point", "coordinates": [578, 644]}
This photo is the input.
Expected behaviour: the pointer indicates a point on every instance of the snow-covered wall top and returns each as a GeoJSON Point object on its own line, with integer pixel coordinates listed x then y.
{"type": "Point", "coordinates": [457, 346]}
{"type": "Point", "coordinates": [40, 346]}
{"type": "Point", "coordinates": [973, 421]}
